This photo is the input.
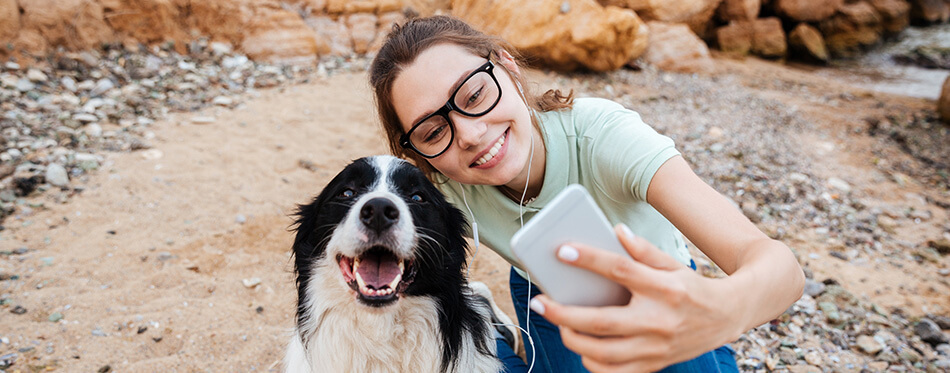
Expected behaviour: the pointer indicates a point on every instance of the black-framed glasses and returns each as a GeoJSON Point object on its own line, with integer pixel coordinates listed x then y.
{"type": "Point", "coordinates": [476, 96]}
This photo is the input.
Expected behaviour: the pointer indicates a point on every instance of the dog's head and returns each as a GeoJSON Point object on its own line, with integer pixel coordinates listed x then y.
{"type": "Point", "coordinates": [386, 229]}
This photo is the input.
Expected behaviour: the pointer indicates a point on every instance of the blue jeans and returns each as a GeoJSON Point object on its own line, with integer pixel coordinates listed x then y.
{"type": "Point", "coordinates": [552, 356]}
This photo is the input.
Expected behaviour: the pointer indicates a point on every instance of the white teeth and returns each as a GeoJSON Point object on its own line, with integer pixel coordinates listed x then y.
{"type": "Point", "coordinates": [491, 153]}
{"type": "Point", "coordinates": [359, 280]}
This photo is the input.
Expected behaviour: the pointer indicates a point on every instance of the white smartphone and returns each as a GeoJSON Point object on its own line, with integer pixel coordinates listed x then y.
{"type": "Point", "coordinates": [572, 216]}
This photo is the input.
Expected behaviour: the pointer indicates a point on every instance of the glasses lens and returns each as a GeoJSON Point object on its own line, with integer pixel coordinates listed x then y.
{"type": "Point", "coordinates": [477, 95]}
{"type": "Point", "coordinates": [432, 136]}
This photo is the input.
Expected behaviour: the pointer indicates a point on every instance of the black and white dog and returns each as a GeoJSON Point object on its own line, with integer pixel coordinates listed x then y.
{"type": "Point", "coordinates": [379, 259]}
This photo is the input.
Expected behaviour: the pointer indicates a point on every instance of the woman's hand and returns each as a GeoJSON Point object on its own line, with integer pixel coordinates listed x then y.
{"type": "Point", "coordinates": [674, 314]}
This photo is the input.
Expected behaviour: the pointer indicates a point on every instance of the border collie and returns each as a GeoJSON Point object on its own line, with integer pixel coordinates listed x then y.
{"type": "Point", "coordinates": [379, 256]}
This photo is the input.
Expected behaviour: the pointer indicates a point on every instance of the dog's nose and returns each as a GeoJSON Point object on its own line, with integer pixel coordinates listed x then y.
{"type": "Point", "coordinates": [379, 214]}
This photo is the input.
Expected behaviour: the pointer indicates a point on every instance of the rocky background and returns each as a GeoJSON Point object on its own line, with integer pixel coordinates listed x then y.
{"type": "Point", "coordinates": [83, 79]}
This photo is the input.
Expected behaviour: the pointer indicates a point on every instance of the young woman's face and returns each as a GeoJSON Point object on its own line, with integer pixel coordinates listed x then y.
{"type": "Point", "coordinates": [491, 149]}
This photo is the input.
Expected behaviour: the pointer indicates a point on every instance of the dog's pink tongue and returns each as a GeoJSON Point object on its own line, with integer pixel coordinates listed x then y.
{"type": "Point", "coordinates": [378, 270]}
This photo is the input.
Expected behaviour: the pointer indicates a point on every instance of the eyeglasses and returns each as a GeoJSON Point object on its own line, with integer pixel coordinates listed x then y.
{"type": "Point", "coordinates": [476, 96]}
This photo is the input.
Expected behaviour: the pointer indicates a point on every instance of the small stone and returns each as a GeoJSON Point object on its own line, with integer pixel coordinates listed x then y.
{"type": "Point", "coordinates": [814, 288]}
{"type": "Point", "coordinates": [240, 219]}
{"type": "Point", "coordinates": [831, 312]}
{"type": "Point", "coordinates": [36, 76]}
{"type": "Point", "coordinates": [251, 282]}
{"type": "Point", "coordinates": [97, 332]}
{"type": "Point", "coordinates": [11, 65]}
{"type": "Point", "coordinates": [104, 369]}
{"type": "Point", "coordinates": [86, 118]}
{"type": "Point", "coordinates": [801, 368]}
{"type": "Point", "coordinates": [93, 130]}
{"type": "Point", "coordinates": [839, 184]}
{"type": "Point", "coordinates": [24, 85]}
{"type": "Point", "coordinates": [929, 332]}
{"type": "Point", "coordinates": [259, 309]}
{"type": "Point", "coordinates": [69, 83]}
{"type": "Point", "coordinates": [219, 48]}
{"type": "Point", "coordinates": [165, 256]}
{"type": "Point", "coordinates": [152, 154]}
{"type": "Point", "coordinates": [18, 310]}
{"type": "Point", "coordinates": [55, 317]}
{"type": "Point", "coordinates": [813, 358]}
{"type": "Point", "coordinates": [878, 366]}
{"type": "Point", "coordinates": [222, 101]}
{"type": "Point", "coordinates": [142, 329]}
{"type": "Point", "coordinates": [202, 120]}
{"type": "Point", "coordinates": [942, 246]}
{"type": "Point", "coordinates": [102, 86]}
{"type": "Point", "coordinates": [870, 345]}
{"type": "Point", "coordinates": [56, 175]}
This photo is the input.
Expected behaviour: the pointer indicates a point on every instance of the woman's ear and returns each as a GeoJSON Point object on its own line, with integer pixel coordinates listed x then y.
{"type": "Point", "coordinates": [508, 62]}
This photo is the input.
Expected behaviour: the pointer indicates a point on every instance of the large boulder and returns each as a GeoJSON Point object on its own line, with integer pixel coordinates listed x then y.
{"type": "Point", "coordinates": [807, 10]}
{"type": "Point", "coordinates": [807, 42]}
{"type": "Point", "coordinates": [943, 105]}
{"type": "Point", "coordinates": [74, 24]}
{"type": "Point", "coordinates": [9, 20]}
{"type": "Point", "coordinates": [768, 38]}
{"type": "Point", "coordinates": [739, 10]}
{"type": "Point", "coordinates": [929, 11]}
{"type": "Point", "coordinates": [695, 13]}
{"type": "Point", "coordinates": [144, 21]}
{"type": "Point", "coordinates": [562, 35]}
{"type": "Point", "coordinates": [674, 47]}
{"type": "Point", "coordinates": [735, 38]}
{"type": "Point", "coordinates": [854, 27]}
{"type": "Point", "coordinates": [895, 14]}
{"type": "Point", "coordinates": [278, 35]}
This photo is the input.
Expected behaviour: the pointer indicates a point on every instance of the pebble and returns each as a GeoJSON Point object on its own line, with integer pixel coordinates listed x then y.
{"type": "Point", "coordinates": [97, 332]}
{"type": "Point", "coordinates": [813, 358]}
{"type": "Point", "coordinates": [85, 118]}
{"type": "Point", "coordinates": [36, 76]}
{"type": "Point", "coordinates": [102, 86]}
{"type": "Point", "coordinates": [56, 175]}
{"type": "Point", "coordinates": [152, 154]}
{"type": "Point", "coordinates": [202, 120]}
{"type": "Point", "coordinates": [813, 288]}
{"type": "Point", "coordinates": [240, 219]}
{"type": "Point", "coordinates": [869, 345]}
{"type": "Point", "coordinates": [24, 85]}
{"type": "Point", "coordinates": [929, 332]}
{"type": "Point", "coordinates": [18, 310]}
{"type": "Point", "coordinates": [69, 84]}
{"type": "Point", "coordinates": [55, 317]}
{"type": "Point", "coordinates": [251, 282]}
{"type": "Point", "coordinates": [222, 101]}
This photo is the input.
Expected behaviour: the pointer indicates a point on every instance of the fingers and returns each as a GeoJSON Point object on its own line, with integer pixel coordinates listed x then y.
{"type": "Point", "coordinates": [600, 321]}
{"type": "Point", "coordinates": [636, 276]}
{"type": "Point", "coordinates": [611, 354]}
{"type": "Point", "coordinates": [643, 251]}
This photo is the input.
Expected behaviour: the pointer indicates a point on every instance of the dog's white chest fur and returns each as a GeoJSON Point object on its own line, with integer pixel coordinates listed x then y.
{"type": "Point", "coordinates": [348, 337]}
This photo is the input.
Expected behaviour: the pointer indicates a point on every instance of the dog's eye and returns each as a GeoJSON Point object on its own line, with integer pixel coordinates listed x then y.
{"type": "Point", "coordinates": [347, 193]}
{"type": "Point", "coordinates": [417, 198]}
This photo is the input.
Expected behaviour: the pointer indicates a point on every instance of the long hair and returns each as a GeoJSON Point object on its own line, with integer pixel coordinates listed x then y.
{"type": "Point", "coordinates": [404, 43]}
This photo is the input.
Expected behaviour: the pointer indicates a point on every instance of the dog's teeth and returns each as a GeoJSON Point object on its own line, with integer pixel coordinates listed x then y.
{"type": "Point", "coordinates": [359, 280]}
{"type": "Point", "coordinates": [395, 281]}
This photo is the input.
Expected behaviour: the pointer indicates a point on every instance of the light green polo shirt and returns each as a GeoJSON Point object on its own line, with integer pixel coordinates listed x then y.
{"type": "Point", "coordinates": [598, 144]}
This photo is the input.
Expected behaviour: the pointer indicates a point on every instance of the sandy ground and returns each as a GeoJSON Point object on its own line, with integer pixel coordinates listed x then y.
{"type": "Point", "coordinates": [147, 266]}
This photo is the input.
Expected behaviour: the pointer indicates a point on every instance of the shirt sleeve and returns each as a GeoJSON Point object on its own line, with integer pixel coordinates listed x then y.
{"type": "Point", "coordinates": [623, 152]}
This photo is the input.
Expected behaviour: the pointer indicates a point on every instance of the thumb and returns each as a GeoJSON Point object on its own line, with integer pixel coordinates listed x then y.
{"type": "Point", "coordinates": [643, 251]}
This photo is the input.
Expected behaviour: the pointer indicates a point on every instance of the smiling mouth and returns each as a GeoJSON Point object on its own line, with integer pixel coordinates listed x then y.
{"type": "Point", "coordinates": [377, 275]}
{"type": "Point", "coordinates": [493, 151]}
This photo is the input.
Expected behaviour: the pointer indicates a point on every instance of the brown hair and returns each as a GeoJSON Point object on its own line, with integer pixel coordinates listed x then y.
{"type": "Point", "coordinates": [404, 43]}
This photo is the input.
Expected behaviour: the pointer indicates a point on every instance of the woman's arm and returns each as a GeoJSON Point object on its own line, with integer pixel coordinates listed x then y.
{"type": "Point", "coordinates": [764, 276]}
{"type": "Point", "coordinates": [676, 314]}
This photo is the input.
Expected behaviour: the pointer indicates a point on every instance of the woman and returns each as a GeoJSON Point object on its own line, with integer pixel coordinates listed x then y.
{"type": "Point", "coordinates": [451, 99]}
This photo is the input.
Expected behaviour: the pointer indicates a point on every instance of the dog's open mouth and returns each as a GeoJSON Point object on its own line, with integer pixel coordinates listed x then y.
{"type": "Point", "coordinates": [377, 276]}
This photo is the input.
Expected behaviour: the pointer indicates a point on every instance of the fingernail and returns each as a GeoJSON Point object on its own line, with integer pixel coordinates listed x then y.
{"type": "Point", "coordinates": [567, 253]}
{"type": "Point", "coordinates": [537, 306]}
{"type": "Point", "coordinates": [626, 230]}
